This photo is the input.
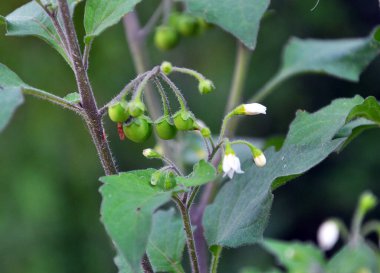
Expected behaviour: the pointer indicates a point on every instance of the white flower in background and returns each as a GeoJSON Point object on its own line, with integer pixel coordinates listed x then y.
{"type": "Point", "coordinates": [260, 160]}
{"type": "Point", "coordinates": [252, 109]}
{"type": "Point", "coordinates": [231, 165]}
{"type": "Point", "coordinates": [328, 235]}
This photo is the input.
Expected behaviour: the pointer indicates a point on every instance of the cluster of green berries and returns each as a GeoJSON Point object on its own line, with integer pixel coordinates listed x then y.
{"type": "Point", "coordinates": [135, 124]}
{"type": "Point", "coordinates": [138, 127]}
{"type": "Point", "coordinates": [179, 24]}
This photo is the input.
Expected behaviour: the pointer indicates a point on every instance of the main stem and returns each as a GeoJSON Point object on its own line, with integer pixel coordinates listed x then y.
{"type": "Point", "coordinates": [189, 234]}
{"type": "Point", "coordinates": [93, 118]}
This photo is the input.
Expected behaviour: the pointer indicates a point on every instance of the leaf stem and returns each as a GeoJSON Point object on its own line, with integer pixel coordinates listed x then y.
{"type": "Point", "coordinates": [243, 58]}
{"type": "Point", "coordinates": [53, 99]}
{"type": "Point", "coordinates": [86, 54]}
{"type": "Point", "coordinates": [215, 259]}
{"type": "Point", "coordinates": [152, 22]}
{"type": "Point", "coordinates": [189, 234]}
{"type": "Point", "coordinates": [268, 88]}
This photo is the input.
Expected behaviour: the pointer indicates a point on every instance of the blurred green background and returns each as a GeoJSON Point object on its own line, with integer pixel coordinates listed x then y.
{"type": "Point", "coordinates": [49, 200]}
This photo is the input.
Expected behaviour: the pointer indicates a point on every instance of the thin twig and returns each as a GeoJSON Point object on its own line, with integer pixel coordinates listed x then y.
{"type": "Point", "coordinates": [86, 54]}
{"type": "Point", "coordinates": [124, 92]}
{"type": "Point", "coordinates": [152, 22]}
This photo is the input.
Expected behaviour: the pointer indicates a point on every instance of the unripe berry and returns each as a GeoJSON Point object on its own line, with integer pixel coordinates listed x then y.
{"type": "Point", "coordinates": [165, 128]}
{"type": "Point", "coordinates": [184, 120]}
{"type": "Point", "coordinates": [187, 25]}
{"type": "Point", "coordinates": [367, 202]}
{"type": "Point", "coordinates": [118, 112]}
{"type": "Point", "coordinates": [206, 86]}
{"type": "Point", "coordinates": [205, 131]}
{"type": "Point", "coordinates": [136, 108]}
{"type": "Point", "coordinates": [138, 129]}
{"type": "Point", "coordinates": [166, 37]}
{"type": "Point", "coordinates": [166, 68]}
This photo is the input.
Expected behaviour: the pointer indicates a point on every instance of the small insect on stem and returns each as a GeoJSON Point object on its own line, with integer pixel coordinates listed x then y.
{"type": "Point", "coordinates": [120, 130]}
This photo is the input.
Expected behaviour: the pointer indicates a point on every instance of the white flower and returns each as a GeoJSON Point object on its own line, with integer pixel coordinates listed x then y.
{"type": "Point", "coordinates": [231, 165]}
{"type": "Point", "coordinates": [254, 109]}
{"type": "Point", "coordinates": [328, 235]}
{"type": "Point", "coordinates": [260, 160]}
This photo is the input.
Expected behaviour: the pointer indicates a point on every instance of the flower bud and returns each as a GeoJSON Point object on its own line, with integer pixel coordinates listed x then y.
{"type": "Point", "coordinates": [166, 68]}
{"type": "Point", "coordinates": [250, 109]}
{"type": "Point", "coordinates": [206, 133]}
{"type": "Point", "coordinates": [156, 177]}
{"type": "Point", "coordinates": [150, 153]}
{"type": "Point", "coordinates": [259, 159]}
{"type": "Point", "coordinates": [367, 202]}
{"type": "Point", "coordinates": [136, 108]}
{"type": "Point", "coordinates": [206, 86]}
{"type": "Point", "coordinates": [328, 235]}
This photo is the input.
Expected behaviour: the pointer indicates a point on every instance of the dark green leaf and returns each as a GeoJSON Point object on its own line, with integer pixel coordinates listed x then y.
{"type": "Point", "coordinates": [128, 203]}
{"type": "Point", "coordinates": [239, 17]}
{"type": "Point", "coordinates": [31, 19]}
{"type": "Point", "coordinates": [203, 172]}
{"type": "Point", "coordinates": [344, 58]}
{"type": "Point", "coordinates": [354, 259]}
{"type": "Point", "coordinates": [101, 14]}
{"type": "Point", "coordinates": [240, 211]}
{"type": "Point", "coordinates": [296, 256]}
{"type": "Point", "coordinates": [166, 242]}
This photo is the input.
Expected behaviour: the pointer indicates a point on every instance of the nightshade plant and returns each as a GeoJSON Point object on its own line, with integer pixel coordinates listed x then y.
{"type": "Point", "coordinates": [150, 239]}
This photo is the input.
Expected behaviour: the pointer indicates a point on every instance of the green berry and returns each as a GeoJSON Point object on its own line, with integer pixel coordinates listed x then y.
{"type": "Point", "coordinates": [202, 26]}
{"type": "Point", "coordinates": [184, 120]}
{"type": "Point", "coordinates": [187, 25]}
{"type": "Point", "coordinates": [206, 86]}
{"type": "Point", "coordinates": [165, 128]}
{"type": "Point", "coordinates": [118, 112]}
{"type": "Point", "coordinates": [138, 129]}
{"type": "Point", "coordinates": [367, 201]}
{"type": "Point", "coordinates": [166, 68]}
{"type": "Point", "coordinates": [166, 37]}
{"type": "Point", "coordinates": [136, 108]}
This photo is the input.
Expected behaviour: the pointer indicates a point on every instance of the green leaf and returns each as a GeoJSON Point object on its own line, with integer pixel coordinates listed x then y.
{"type": "Point", "coordinates": [166, 242]}
{"type": "Point", "coordinates": [10, 94]}
{"type": "Point", "coordinates": [122, 264]}
{"type": "Point", "coordinates": [369, 109]}
{"type": "Point", "coordinates": [344, 58]}
{"type": "Point", "coordinates": [296, 256]}
{"type": "Point", "coordinates": [31, 20]}
{"type": "Point", "coordinates": [10, 99]}
{"type": "Point", "coordinates": [127, 207]}
{"type": "Point", "coordinates": [239, 17]}
{"type": "Point", "coordinates": [101, 14]}
{"type": "Point", "coordinates": [240, 211]}
{"type": "Point", "coordinates": [73, 97]}
{"type": "Point", "coordinates": [354, 259]}
{"type": "Point", "coordinates": [203, 172]}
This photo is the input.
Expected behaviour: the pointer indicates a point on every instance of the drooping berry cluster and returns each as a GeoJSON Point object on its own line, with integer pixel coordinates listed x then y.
{"type": "Point", "coordinates": [133, 117]}
{"type": "Point", "coordinates": [168, 35]}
